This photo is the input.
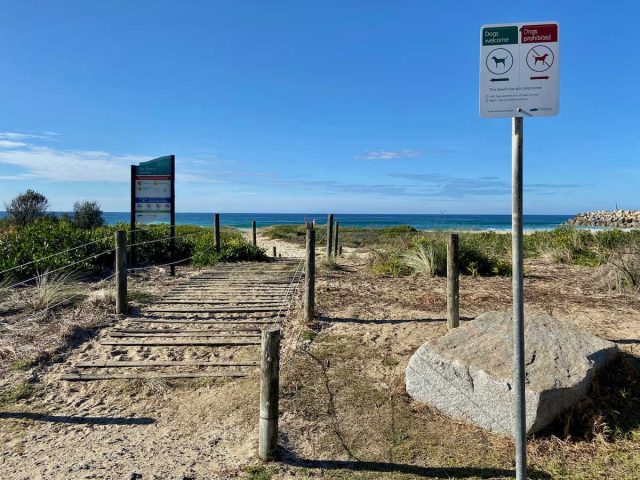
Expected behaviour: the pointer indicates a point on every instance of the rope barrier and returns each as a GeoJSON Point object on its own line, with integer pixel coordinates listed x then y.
{"type": "Point", "coordinates": [161, 265]}
{"type": "Point", "coordinates": [164, 239]}
{"type": "Point", "coordinates": [60, 268]}
{"type": "Point", "coordinates": [208, 248]}
{"type": "Point", "coordinates": [54, 255]}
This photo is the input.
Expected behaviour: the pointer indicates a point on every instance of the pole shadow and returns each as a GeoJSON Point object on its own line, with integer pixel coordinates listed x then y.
{"type": "Point", "coordinates": [289, 458]}
{"type": "Point", "coordinates": [41, 417]}
{"type": "Point", "coordinates": [386, 320]}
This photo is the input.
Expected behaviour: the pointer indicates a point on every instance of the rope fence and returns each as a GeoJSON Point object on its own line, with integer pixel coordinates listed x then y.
{"type": "Point", "coordinates": [49, 272]}
{"type": "Point", "coordinates": [55, 255]}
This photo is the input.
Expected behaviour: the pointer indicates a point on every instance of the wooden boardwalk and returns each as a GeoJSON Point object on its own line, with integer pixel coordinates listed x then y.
{"type": "Point", "coordinates": [209, 326]}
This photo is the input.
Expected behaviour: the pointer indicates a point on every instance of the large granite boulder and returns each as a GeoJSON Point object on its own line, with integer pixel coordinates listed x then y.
{"type": "Point", "coordinates": [467, 373]}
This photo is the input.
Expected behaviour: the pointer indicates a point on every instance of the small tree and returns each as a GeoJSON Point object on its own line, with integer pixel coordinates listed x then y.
{"type": "Point", "coordinates": [26, 207]}
{"type": "Point", "coordinates": [87, 214]}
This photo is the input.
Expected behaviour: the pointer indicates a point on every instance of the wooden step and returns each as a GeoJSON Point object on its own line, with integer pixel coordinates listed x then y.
{"type": "Point", "coordinates": [159, 342]}
{"type": "Point", "coordinates": [185, 330]}
{"type": "Point", "coordinates": [187, 335]}
{"type": "Point", "coordinates": [161, 363]}
{"type": "Point", "coordinates": [257, 321]}
{"type": "Point", "coordinates": [84, 377]}
{"type": "Point", "coordinates": [214, 310]}
{"type": "Point", "coordinates": [216, 304]}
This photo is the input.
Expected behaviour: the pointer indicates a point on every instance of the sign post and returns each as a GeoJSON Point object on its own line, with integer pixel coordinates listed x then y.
{"type": "Point", "coordinates": [519, 76]}
{"type": "Point", "coordinates": [153, 199]}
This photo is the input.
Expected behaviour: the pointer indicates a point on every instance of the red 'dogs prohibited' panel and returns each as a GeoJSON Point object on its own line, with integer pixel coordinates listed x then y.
{"type": "Point", "coordinates": [539, 33]}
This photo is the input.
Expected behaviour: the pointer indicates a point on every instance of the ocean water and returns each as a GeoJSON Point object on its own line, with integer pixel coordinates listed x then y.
{"type": "Point", "coordinates": [419, 221]}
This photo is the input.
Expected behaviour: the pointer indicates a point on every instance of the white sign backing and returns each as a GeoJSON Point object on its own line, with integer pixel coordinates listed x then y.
{"type": "Point", "coordinates": [519, 70]}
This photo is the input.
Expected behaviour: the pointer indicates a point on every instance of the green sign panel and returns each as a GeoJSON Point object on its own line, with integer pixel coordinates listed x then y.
{"type": "Point", "coordinates": [157, 166]}
{"type": "Point", "coordinates": [499, 36]}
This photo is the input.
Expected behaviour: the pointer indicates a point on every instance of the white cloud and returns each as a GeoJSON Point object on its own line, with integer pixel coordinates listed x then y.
{"type": "Point", "coordinates": [389, 154]}
{"type": "Point", "coordinates": [70, 165]}
{"type": "Point", "coordinates": [11, 144]}
{"type": "Point", "coordinates": [58, 165]}
{"type": "Point", "coordinates": [26, 136]}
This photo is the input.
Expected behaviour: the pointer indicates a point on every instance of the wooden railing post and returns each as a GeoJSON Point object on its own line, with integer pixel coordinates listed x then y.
{"type": "Point", "coordinates": [255, 233]}
{"type": "Point", "coordinates": [274, 252]}
{"type": "Point", "coordinates": [310, 275]}
{"type": "Point", "coordinates": [216, 231]}
{"type": "Point", "coordinates": [121, 272]}
{"type": "Point", "coordinates": [269, 394]}
{"type": "Point", "coordinates": [453, 282]}
{"type": "Point", "coordinates": [335, 244]}
{"type": "Point", "coordinates": [330, 235]}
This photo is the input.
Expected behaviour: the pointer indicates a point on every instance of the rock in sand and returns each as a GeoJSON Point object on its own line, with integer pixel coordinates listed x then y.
{"type": "Point", "coordinates": [467, 373]}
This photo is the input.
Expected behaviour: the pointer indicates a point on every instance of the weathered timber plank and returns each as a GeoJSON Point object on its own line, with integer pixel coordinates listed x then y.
{"type": "Point", "coordinates": [257, 321]}
{"type": "Point", "coordinates": [71, 377]}
{"type": "Point", "coordinates": [176, 363]}
{"type": "Point", "coordinates": [183, 335]}
{"type": "Point", "coordinates": [158, 342]}
{"type": "Point", "coordinates": [214, 310]}
{"type": "Point", "coordinates": [183, 330]}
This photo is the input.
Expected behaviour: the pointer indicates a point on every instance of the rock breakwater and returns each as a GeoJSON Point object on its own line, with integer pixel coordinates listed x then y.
{"type": "Point", "coordinates": [608, 218]}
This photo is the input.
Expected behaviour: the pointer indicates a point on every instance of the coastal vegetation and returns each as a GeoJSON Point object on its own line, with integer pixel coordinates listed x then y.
{"type": "Point", "coordinates": [402, 250]}
{"type": "Point", "coordinates": [34, 242]}
{"type": "Point", "coordinates": [344, 373]}
{"type": "Point", "coordinates": [58, 243]}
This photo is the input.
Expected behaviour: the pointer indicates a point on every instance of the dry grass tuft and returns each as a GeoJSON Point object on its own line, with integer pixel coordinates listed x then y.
{"type": "Point", "coordinates": [330, 264]}
{"type": "Point", "coordinates": [428, 259]}
{"type": "Point", "coordinates": [102, 298]}
{"type": "Point", "coordinates": [52, 289]}
{"type": "Point", "coordinates": [621, 272]}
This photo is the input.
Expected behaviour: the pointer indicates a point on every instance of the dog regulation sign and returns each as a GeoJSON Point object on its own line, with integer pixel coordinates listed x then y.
{"type": "Point", "coordinates": [519, 70]}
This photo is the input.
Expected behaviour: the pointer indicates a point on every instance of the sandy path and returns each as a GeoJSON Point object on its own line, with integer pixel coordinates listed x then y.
{"type": "Point", "coordinates": [349, 396]}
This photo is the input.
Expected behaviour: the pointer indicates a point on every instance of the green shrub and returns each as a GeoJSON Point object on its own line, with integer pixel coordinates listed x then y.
{"type": "Point", "coordinates": [289, 233]}
{"type": "Point", "coordinates": [87, 215]}
{"type": "Point", "coordinates": [45, 239]}
{"type": "Point", "coordinates": [232, 249]}
{"type": "Point", "coordinates": [392, 267]}
{"type": "Point", "coordinates": [349, 236]}
{"type": "Point", "coordinates": [26, 207]}
{"type": "Point", "coordinates": [398, 229]}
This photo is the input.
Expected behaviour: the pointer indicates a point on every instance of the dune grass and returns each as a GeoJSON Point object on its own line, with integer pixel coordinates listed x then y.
{"type": "Point", "coordinates": [403, 250]}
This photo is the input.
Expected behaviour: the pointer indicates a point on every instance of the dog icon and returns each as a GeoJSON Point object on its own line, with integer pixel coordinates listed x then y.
{"type": "Point", "coordinates": [499, 61]}
{"type": "Point", "coordinates": [541, 58]}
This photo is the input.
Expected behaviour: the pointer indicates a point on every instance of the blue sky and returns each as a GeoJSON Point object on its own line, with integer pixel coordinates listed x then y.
{"type": "Point", "coordinates": [292, 106]}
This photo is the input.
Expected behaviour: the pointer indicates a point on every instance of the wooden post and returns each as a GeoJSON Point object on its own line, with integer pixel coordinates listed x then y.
{"type": "Point", "coordinates": [121, 272]}
{"type": "Point", "coordinates": [330, 235]}
{"type": "Point", "coordinates": [216, 231]}
{"type": "Point", "coordinates": [335, 244]}
{"type": "Point", "coordinates": [340, 250]}
{"type": "Point", "coordinates": [310, 275]}
{"type": "Point", "coordinates": [269, 394]}
{"type": "Point", "coordinates": [453, 282]}
{"type": "Point", "coordinates": [274, 251]}
{"type": "Point", "coordinates": [255, 233]}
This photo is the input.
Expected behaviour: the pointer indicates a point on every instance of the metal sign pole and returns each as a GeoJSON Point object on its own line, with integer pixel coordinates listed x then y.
{"type": "Point", "coordinates": [132, 221]}
{"type": "Point", "coordinates": [172, 216]}
{"type": "Point", "coordinates": [519, 416]}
